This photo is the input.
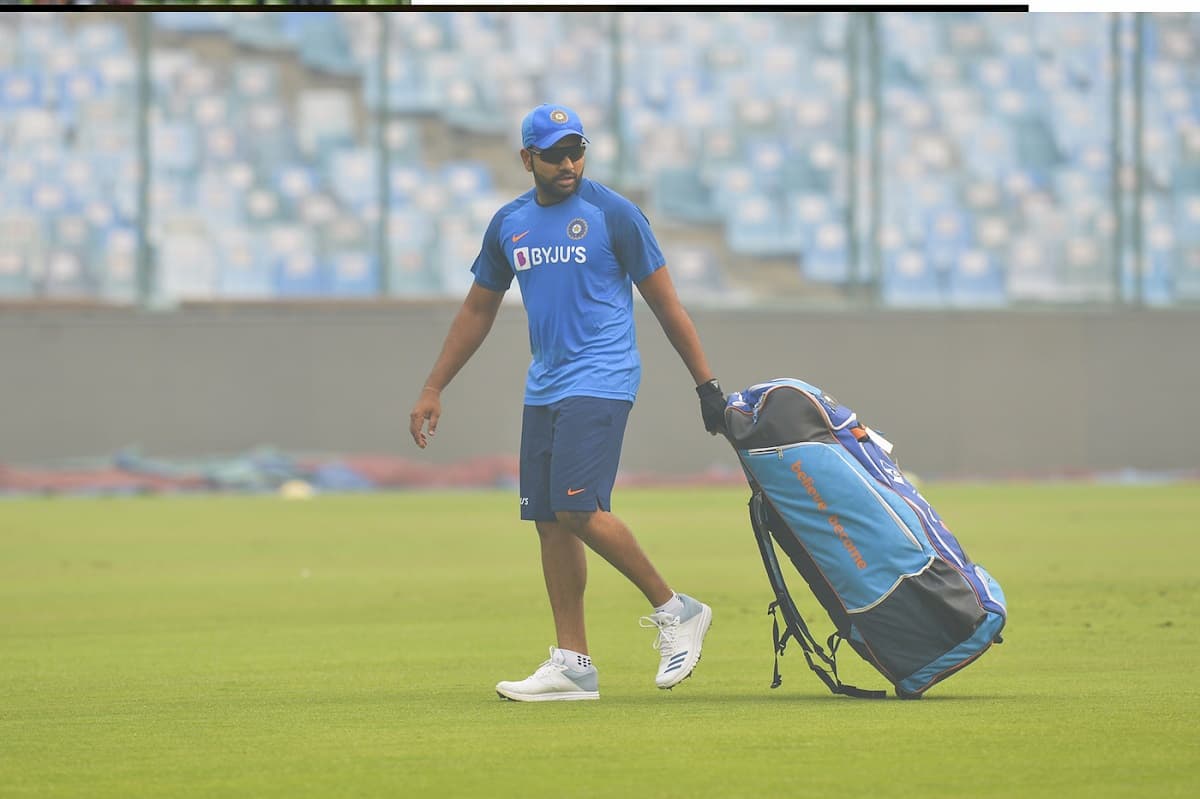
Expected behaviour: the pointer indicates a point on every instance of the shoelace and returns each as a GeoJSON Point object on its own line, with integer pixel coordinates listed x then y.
{"type": "Point", "coordinates": [668, 626]}
{"type": "Point", "coordinates": [548, 666]}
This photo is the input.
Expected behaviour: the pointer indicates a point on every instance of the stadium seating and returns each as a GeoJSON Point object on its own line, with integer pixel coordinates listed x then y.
{"type": "Point", "coordinates": [996, 168]}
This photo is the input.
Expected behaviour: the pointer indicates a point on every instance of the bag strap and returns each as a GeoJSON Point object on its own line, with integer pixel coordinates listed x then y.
{"type": "Point", "coordinates": [794, 624]}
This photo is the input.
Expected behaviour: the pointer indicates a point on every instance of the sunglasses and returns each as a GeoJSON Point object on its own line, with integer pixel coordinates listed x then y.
{"type": "Point", "coordinates": [555, 155]}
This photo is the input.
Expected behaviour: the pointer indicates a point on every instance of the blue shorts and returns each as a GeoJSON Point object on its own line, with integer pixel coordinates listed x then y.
{"type": "Point", "coordinates": [569, 455]}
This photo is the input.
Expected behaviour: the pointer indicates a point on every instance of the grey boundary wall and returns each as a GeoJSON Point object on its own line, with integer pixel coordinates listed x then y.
{"type": "Point", "coordinates": [961, 394]}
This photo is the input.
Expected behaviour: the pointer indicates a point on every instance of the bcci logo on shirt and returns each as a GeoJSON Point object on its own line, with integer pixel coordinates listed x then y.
{"type": "Point", "coordinates": [577, 229]}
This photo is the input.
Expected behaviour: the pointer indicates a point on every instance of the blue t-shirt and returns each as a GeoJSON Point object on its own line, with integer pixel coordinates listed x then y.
{"type": "Point", "coordinates": [576, 263]}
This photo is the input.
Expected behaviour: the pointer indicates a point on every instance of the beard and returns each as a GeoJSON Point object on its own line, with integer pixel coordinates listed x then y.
{"type": "Point", "coordinates": [551, 188]}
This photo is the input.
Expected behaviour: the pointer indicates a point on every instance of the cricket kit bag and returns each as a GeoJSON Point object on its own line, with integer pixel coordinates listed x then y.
{"type": "Point", "coordinates": [895, 582]}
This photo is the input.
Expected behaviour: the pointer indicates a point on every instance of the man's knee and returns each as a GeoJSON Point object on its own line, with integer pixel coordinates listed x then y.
{"type": "Point", "coordinates": [574, 521]}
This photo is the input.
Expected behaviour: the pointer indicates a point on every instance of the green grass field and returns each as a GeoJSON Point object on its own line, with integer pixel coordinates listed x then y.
{"type": "Point", "coordinates": [347, 646]}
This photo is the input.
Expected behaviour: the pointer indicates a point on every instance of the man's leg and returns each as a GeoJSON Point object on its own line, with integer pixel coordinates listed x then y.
{"type": "Point", "coordinates": [585, 453]}
{"type": "Point", "coordinates": [682, 629]}
{"type": "Point", "coordinates": [610, 538]}
{"type": "Point", "coordinates": [564, 566]}
{"type": "Point", "coordinates": [568, 674]}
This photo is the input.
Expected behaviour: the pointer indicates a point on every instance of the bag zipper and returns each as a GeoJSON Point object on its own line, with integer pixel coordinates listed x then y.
{"type": "Point", "coordinates": [778, 450]}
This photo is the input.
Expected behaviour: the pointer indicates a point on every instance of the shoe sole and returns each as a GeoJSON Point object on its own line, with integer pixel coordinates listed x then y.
{"type": "Point", "coordinates": [688, 668]}
{"type": "Point", "coordinates": [562, 696]}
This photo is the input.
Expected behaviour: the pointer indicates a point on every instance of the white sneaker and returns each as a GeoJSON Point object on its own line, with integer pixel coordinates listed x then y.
{"type": "Point", "coordinates": [679, 640]}
{"type": "Point", "coordinates": [554, 680]}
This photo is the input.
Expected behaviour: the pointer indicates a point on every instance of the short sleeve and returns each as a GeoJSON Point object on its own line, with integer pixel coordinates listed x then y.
{"type": "Point", "coordinates": [491, 268]}
{"type": "Point", "coordinates": [633, 242]}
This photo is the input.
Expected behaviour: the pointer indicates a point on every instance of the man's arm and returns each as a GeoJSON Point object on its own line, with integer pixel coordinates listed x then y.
{"type": "Point", "coordinates": [468, 330]}
{"type": "Point", "coordinates": [659, 293]}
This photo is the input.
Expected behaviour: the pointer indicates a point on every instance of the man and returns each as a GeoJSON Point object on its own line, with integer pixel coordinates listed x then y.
{"type": "Point", "coordinates": [576, 248]}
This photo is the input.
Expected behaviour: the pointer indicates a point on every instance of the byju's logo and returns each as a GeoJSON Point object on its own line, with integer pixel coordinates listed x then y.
{"type": "Point", "coordinates": [521, 259]}
{"type": "Point", "coordinates": [527, 257]}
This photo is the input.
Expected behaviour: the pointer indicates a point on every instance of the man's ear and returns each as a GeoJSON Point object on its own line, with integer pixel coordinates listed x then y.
{"type": "Point", "coordinates": [527, 159]}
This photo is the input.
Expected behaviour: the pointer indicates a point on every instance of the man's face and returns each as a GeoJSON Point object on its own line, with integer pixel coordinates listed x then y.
{"type": "Point", "coordinates": [556, 182]}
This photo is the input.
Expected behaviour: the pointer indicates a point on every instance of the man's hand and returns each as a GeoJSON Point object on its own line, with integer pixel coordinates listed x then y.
{"type": "Point", "coordinates": [428, 408]}
{"type": "Point", "coordinates": [712, 406]}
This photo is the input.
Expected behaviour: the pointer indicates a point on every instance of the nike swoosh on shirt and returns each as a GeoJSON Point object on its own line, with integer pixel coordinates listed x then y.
{"type": "Point", "coordinates": [518, 236]}
{"type": "Point", "coordinates": [573, 491]}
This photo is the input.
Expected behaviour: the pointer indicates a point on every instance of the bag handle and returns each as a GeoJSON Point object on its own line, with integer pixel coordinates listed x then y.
{"type": "Point", "coordinates": [794, 624]}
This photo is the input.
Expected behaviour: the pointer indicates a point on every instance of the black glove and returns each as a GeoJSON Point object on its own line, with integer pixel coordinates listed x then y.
{"type": "Point", "coordinates": [712, 406]}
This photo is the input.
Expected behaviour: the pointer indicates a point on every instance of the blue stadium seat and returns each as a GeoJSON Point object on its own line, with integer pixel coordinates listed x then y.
{"type": "Point", "coordinates": [295, 181]}
{"type": "Point", "coordinates": [720, 150]}
{"type": "Point", "coordinates": [977, 281]}
{"type": "Point", "coordinates": [186, 264]}
{"type": "Point", "coordinates": [15, 280]}
{"type": "Point", "coordinates": [696, 273]}
{"type": "Point", "coordinates": [324, 121]}
{"type": "Point", "coordinates": [412, 271]}
{"type": "Point", "coordinates": [219, 201]}
{"type": "Point", "coordinates": [175, 147]}
{"type": "Point", "coordinates": [455, 249]}
{"type": "Point", "coordinates": [770, 158]}
{"type": "Point", "coordinates": [1158, 284]}
{"type": "Point", "coordinates": [351, 176]}
{"type": "Point", "coordinates": [300, 274]}
{"type": "Point", "coordinates": [76, 88]}
{"type": "Point", "coordinates": [1186, 207]}
{"type": "Point", "coordinates": [261, 29]}
{"type": "Point", "coordinates": [468, 103]}
{"type": "Point", "coordinates": [757, 225]}
{"type": "Point", "coordinates": [94, 40]}
{"type": "Point", "coordinates": [948, 234]}
{"type": "Point", "coordinates": [409, 89]}
{"type": "Point", "coordinates": [806, 212]}
{"type": "Point", "coordinates": [193, 21]}
{"type": "Point", "coordinates": [909, 280]}
{"type": "Point", "coordinates": [20, 89]}
{"type": "Point", "coordinates": [245, 267]}
{"type": "Point", "coordinates": [800, 171]}
{"type": "Point", "coordinates": [827, 259]}
{"type": "Point", "coordinates": [50, 197]}
{"type": "Point", "coordinates": [406, 183]}
{"type": "Point", "coordinates": [353, 274]}
{"type": "Point", "coordinates": [255, 81]}
{"type": "Point", "coordinates": [116, 268]}
{"type": "Point", "coordinates": [1035, 144]}
{"type": "Point", "coordinates": [1039, 271]}
{"type": "Point", "coordinates": [321, 42]}
{"type": "Point", "coordinates": [70, 231]}
{"type": "Point", "coordinates": [29, 130]}
{"type": "Point", "coordinates": [66, 273]}
{"type": "Point", "coordinates": [466, 180]}
{"type": "Point", "coordinates": [1187, 276]}
{"type": "Point", "coordinates": [18, 240]}
{"type": "Point", "coordinates": [680, 193]}
{"type": "Point", "coordinates": [1080, 121]}
{"type": "Point", "coordinates": [403, 140]}
{"type": "Point", "coordinates": [993, 152]}
{"type": "Point", "coordinates": [732, 186]}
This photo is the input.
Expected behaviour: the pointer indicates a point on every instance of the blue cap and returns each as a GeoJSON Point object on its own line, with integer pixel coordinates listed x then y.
{"type": "Point", "coordinates": [546, 124]}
